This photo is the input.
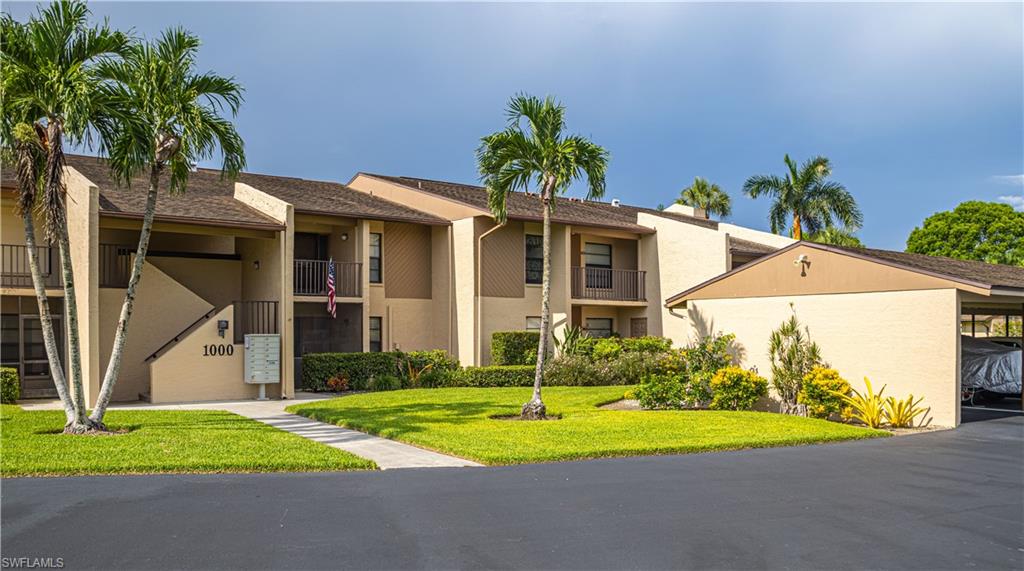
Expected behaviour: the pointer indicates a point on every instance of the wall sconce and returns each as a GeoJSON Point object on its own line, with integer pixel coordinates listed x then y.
{"type": "Point", "coordinates": [256, 265]}
{"type": "Point", "coordinates": [222, 326]}
{"type": "Point", "coordinates": [804, 263]}
{"type": "Point", "coordinates": [344, 236]}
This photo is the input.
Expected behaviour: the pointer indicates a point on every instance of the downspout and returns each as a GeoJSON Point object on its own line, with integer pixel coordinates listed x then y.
{"type": "Point", "coordinates": [478, 342]}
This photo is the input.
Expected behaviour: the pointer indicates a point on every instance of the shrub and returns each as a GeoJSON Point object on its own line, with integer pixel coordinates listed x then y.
{"type": "Point", "coordinates": [648, 344]}
{"type": "Point", "coordinates": [606, 349]}
{"type": "Point", "coordinates": [434, 378]}
{"type": "Point", "coordinates": [385, 383]}
{"type": "Point", "coordinates": [867, 407]}
{"type": "Point", "coordinates": [631, 368]}
{"type": "Point", "coordinates": [338, 383]}
{"type": "Point", "coordinates": [820, 392]}
{"type": "Point", "coordinates": [571, 371]}
{"type": "Point", "coordinates": [903, 413]}
{"type": "Point", "coordinates": [734, 388]}
{"type": "Point", "coordinates": [493, 376]}
{"type": "Point", "coordinates": [514, 347]}
{"type": "Point", "coordinates": [318, 368]}
{"type": "Point", "coordinates": [10, 386]}
{"type": "Point", "coordinates": [707, 355]}
{"type": "Point", "coordinates": [572, 341]}
{"type": "Point", "coordinates": [661, 392]}
{"type": "Point", "coordinates": [793, 356]}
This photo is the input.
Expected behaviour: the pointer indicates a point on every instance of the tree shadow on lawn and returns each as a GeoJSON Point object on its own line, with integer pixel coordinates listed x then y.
{"type": "Point", "coordinates": [405, 418]}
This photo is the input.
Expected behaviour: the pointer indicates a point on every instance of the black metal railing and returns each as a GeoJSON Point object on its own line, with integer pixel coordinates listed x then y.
{"type": "Point", "coordinates": [15, 271]}
{"type": "Point", "coordinates": [115, 265]}
{"type": "Point", "coordinates": [310, 277]}
{"type": "Point", "coordinates": [254, 317]}
{"type": "Point", "coordinates": [609, 284]}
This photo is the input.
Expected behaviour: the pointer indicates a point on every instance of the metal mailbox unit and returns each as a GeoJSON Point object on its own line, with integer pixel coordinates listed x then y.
{"type": "Point", "coordinates": [262, 361]}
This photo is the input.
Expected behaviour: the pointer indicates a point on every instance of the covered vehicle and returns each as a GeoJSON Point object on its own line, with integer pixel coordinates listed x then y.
{"type": "Point", "coordinates": [989, 366]}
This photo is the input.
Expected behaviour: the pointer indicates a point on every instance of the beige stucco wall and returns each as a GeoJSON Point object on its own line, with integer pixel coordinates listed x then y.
{"type": "Point", "coordinates": [83, 220]}
{"type": "Point", "coordinates": [906, 340]}
{"type": "Point", "coordinates": [464, 276]}
{"type": "Point", "coordinates": [752, 235]}
{"type": "Point", "coordinates": [183, 373]}
{"type": "Point", "coordinates": [163, 308]}
{"type": "Point", "coordinates": [219, 282]}
{"type": "Point", "coordinates": [677, 257]}
{"type": "Point", "coordinates": [170, 241]}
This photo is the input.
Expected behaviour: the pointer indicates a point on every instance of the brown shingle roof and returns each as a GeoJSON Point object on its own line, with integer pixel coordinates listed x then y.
{"type": "Point", "coordinates": [331, 198]}
{"type": "Point", "coordinates": [208, 199]}
{"type": "Point", "coordinates": [992, 275]}
{"type": "Point", "coordinates": [741, 246]}
{"type": "Point", "coordinates": [522, 206]}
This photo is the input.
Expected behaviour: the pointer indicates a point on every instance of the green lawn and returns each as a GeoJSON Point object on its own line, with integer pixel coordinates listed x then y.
{"type": "Point", "coordinates": [159, 441]}
{"type": "Point", "coordinates": [458, 421]}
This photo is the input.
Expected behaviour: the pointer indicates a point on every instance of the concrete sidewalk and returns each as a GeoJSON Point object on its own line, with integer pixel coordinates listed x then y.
{"type": "Point", "coordinates": [388, 454]}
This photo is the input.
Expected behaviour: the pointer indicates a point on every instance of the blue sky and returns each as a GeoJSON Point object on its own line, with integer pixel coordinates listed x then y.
{"type": "Point", "coordinates": [919, 106]}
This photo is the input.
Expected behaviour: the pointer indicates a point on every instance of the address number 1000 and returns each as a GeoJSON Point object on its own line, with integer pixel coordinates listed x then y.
{"type": "Point", "coordinates": [218, 350]}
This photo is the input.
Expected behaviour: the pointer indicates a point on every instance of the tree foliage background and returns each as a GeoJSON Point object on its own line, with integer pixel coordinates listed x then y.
{"type": "Point", "coordinates": [975, 230]}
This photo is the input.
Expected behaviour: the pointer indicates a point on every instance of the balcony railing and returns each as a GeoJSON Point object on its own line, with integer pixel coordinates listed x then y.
{"type": "Point", "coordinates": [608, 284]}
{"type": "Point", "coordinates": [115, 265]}
{"type": "Point", "coordinates": [14, 268]}
{"type": "Point", "coordinates": [311, 278]}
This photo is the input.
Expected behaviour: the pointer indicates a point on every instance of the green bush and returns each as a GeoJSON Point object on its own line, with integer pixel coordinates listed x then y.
{"type": "Point", "coordinates": [385, 383]}
{"type": "Point", "coordinates": [514, 347]}
{"type": "Point", "coordinates": [648, 344]}
{"type": "Point", "coordinates": [661, 392]}
{"type": "Point", "coordinates": [358, 368]}
{"type": "Point", "coordinates": [822, 392]}
{"type": "Point", "coordinates": [581, 371]}
{"type": "Point", "coordinates": [432, 379]}
{"type": "Point", "coordinates": [572, 371]}
{"type": "Point", "coordinates": [10, 387]}
{"type": "Point", "coordinates": [734, 388]}
{"type": "Point", "coordinates": [606, 349]}
{"type": "Point", "coordinates": [493, 376]}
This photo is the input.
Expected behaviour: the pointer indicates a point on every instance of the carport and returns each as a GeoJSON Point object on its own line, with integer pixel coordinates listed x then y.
{"type": "Point", "coordinates": [893, 317]}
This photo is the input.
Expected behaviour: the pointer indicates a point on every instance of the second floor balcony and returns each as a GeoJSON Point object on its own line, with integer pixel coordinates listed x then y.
{"type": "Point", "coordinates": [608, 284]}
{"type": "Point", "coordinates": [310, 278]}
{"type": "Point", "coordinates": [15, 271]}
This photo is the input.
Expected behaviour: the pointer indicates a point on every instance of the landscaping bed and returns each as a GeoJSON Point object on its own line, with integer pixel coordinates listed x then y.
{"type": "Point", "coordinates": [459, 421]}
{"type": "Point", "coordinates": [155, 441]}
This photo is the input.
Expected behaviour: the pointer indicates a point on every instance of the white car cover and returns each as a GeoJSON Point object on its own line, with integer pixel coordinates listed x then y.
{"type": "Point", "coordinates": [990, 366]}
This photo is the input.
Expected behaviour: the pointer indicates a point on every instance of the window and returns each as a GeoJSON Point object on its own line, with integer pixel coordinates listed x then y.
{"type": "Point", "coordinates": [375, 261]}
{"type": "Point", "coordinates": [533, 323]}
{"type": "Point", "coordinates": [598, 261]}
{"type": "Point", "coordinates": [534, 259]}
{"type": "Point", "coordinates": [599, 326]}
{"type": "Point", "coordinates": [376, 346]}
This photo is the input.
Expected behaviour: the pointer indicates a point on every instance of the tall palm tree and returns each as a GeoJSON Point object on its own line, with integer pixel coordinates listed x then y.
{"type": "Point", "coordinates": [49, 78]}
{"type": "Point", "coordinates": [533, 150]}
{"type": "Point", "coordinates": [175, 121]}
{"type": "Point", "coordinates": [709, 197]}
{"type": "Point", "coordinates": [805, 199]}
{"type": "Point", "coordinates": [837, 237]}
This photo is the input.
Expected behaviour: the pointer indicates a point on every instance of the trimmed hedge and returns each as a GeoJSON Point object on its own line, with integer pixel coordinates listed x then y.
{"type": "Point", "coordinates": [10, 387]}
{"type": "Point", "coordinates": [493, 376]}
{"type": "Point", "coordinates": [359, 368]}
{"type": "Point", "coordinates": [514, 347]}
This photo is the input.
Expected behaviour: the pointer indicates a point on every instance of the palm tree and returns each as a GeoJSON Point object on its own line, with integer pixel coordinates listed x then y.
{"type": "Point", "coordinates": [837, 237]}
{"type": "Point", "coordinates": [175, 121]}
{"type": "Point", "coordinates": [706, 196]}
{"type": "Point", "coordinates": [806, 198]}
{"type": "Point", "coordinates": [49, 79]}
{"type": "Point", "coordinates": [533, 149]}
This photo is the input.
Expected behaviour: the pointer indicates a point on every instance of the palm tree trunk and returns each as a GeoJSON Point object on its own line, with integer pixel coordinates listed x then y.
{"type": "Point", "coordinates": [46, 320]}
{"type": "Point", "coordinates": [798, 231]}
{"type": "Point", "coordinates": [81, 422]}
{"type": "Point", "coordinates": [121, 335]}
{"type": "Point", "coordinates": [535, 409]}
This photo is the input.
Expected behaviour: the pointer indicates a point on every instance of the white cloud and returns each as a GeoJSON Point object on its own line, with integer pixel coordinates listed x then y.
{"type": "Point", "coordinates": [1017, 202]}
{"type": "Point", "coordinates": [1011, 179]}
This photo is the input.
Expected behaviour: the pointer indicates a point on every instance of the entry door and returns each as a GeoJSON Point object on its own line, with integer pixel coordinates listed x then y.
{"type": "Point", "coordinates": [36, 378]}
{"type": "Point", "coordinates": [638, 327]}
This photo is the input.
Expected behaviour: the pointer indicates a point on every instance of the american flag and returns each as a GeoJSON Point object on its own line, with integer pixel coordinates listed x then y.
{"type": "Point", "coordinates": [332, 307]}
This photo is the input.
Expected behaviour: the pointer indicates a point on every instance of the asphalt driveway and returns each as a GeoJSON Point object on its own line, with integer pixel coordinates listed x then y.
{"type": "Point", "coordinates": [944, 500]}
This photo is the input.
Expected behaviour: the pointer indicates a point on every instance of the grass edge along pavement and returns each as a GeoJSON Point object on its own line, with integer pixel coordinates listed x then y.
{"type": "Point", "coordinates": [463, 422]}
{"type": "Point", "coordinates": [159, 442]}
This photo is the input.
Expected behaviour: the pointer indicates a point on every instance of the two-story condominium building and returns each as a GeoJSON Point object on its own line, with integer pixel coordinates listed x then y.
{"type": "Point", "coordinates": [419, 264]}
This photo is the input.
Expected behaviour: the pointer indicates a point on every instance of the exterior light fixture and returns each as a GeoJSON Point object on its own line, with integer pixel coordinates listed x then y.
{"type": "Point", "coordinates": [804, 263]}
{"type": "Point", "coordinates": [344, 236]}
{"type": "Point", "coordinates": [256, 265]}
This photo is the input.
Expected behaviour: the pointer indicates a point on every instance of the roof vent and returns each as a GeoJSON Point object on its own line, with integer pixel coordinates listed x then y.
{"type": "Point", "coordinates": [419, 184]}
{"type": "Point", "coordinates": [616, 202]}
